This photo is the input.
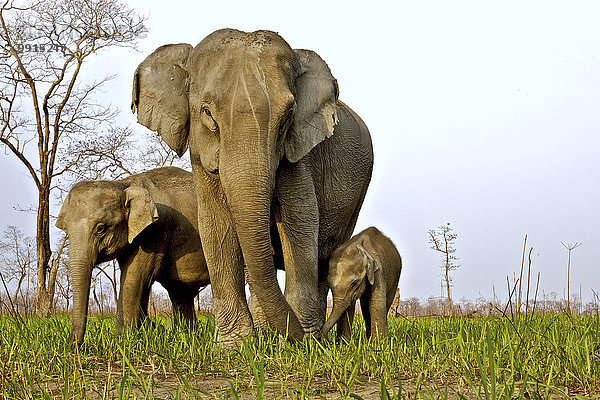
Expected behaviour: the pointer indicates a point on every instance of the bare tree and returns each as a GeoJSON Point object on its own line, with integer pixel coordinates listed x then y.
{"type": "Point", "coordinates": [204, 300]}
{"type": "Point", "coordinates": [17, 260]}
{"type": "Point", "coordinates": [107, 155]}
{"type": "Point", "coordinates": [442, 241]}
{"type": "Point", "coordinates": [112, 279]}
{"type": "Point", "coordinates": [63, 283]}
{"type": "Point", "coordinates": [570, 247]}
{"type": "Point", "coordinates": [115, 154]}
{"type": "Point", "coordinates": [62, 280]}
{"type": "Point", "coordinates": [156, 153]}
{"type": "Point", "coordinates": [43, 47]}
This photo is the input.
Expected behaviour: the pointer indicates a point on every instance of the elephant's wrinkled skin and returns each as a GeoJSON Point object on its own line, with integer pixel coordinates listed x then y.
{"type": "Point", "coordinates": [368, 267]}
{"type": "Point", "coordinates": [269, 143]}
{"type": "Point", "coordinates": [148, 222]}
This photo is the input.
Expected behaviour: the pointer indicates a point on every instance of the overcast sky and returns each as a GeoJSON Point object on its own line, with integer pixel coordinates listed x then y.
{"type": "Point", "coordinates": [484, 116]}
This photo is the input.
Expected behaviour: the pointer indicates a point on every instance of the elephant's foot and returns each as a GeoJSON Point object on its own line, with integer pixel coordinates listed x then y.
{"type": "Point", "coordinates": [231, 340]}
{"type": "Point", "coordinates": [309, 318]}
{"type": "Point", "coordinates": [231, 326]}
{"type": "Point", "coordinates": [312, 328]}
{"type": "Point", "coordinates": [259, 319]}
{"type": "Point", "coordinates": [261, 323]}
{"type": "Point", "coordinates": [313, 333]}
{"type": "Point", "coordinates": [308, 307]}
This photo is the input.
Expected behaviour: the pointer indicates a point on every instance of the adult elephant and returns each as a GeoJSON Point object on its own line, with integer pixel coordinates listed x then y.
{"type": "Point", "coordinates": [269, 142]}
{"type": "Point", "coordinates": [148, 222]}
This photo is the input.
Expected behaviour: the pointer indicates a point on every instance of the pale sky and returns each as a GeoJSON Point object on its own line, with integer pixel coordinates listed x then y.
{"type": "Point", "coordinates": [485, 115]}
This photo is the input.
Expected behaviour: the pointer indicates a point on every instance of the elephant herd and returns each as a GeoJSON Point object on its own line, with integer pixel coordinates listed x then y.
{"type": "Point", "coordinates": [280, 169]}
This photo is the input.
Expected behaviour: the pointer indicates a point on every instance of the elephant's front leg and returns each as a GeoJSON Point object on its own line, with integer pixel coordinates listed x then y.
{"type": "Point", "coordinates": [259, 319]}
{"type": "Point", "coordinates": [258, 315]}
{"type": "Point", "coordinates": [136, 283]}
{"type": "Point", "coordinates": [224, 260]}
{"type": "Point", "coordinates": [297, 217]}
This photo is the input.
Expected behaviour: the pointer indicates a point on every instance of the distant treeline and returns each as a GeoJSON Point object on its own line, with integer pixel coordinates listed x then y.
{"type": "Point", "coordinates": [102, 302]}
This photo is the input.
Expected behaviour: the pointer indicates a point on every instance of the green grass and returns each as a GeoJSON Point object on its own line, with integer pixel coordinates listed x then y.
{"type": "Point", "coordinates": [522, 357]}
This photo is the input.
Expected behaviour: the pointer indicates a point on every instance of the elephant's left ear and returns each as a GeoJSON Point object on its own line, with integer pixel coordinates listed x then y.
{"type": "Point", "coordinates": [315, 114]}
{"type": "Point", "coordinates": [141, 210]}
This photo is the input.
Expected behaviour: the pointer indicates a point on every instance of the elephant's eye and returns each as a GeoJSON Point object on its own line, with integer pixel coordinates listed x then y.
{"type": "Point", "coordinates": [101, 229]}
{"type": "Point", "coordinates": [207, 119]}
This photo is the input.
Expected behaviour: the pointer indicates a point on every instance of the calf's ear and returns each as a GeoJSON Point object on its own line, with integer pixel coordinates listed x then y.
{"type": "Point", "coordinates": [370, 260]}
{"type": "Point", "coordinates": [141, 210]}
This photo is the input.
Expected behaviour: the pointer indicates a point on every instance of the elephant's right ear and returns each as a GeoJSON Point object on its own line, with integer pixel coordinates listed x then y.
{"type": "Point", "coordinates": [160, 94]}
{"type": "Point", "coordinates": [141, 210]}
{"type": "Point", "coordinates": [316, 113]}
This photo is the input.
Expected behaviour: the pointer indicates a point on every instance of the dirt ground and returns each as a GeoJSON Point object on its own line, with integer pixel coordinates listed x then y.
{"type": "Point", "coordinates": [215, 387]}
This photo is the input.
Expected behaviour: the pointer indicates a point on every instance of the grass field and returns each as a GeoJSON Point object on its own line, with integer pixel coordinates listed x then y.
{"type": "Point", "coordinates": [534, 357]}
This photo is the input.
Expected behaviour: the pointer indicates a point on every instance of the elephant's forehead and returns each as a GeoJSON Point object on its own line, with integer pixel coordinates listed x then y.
{"type": "Point", "coordinates": [344, 270]}
{"type": "Point", "coordinates": [94, 202]}
{"type": "Point", "coordinates": [233, 37]}
{"type": "Point", "coordinates": [95, 209]}
{"type": "Point", "coordinates": [225, 65]}
{"type": "Point", "coordinates": [228, 52]}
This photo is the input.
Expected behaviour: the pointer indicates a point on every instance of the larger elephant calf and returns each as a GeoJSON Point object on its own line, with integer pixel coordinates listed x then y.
{"type": "Point", "coordinates": [148, 222]}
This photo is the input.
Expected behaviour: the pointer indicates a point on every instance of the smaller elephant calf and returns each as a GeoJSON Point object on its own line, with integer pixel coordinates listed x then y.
{"type": "Point", "coordinates": [368, 267]}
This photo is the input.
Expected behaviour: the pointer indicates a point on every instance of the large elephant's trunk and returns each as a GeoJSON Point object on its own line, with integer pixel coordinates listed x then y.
{"type": "Point", "coordinates": [249, 191]}
{"type": "Point", "coordinates": [81, 272]}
